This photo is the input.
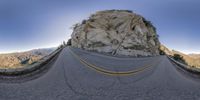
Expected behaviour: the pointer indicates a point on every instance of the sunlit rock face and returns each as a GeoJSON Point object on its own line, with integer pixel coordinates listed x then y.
{"type": "Point", "coordinates": [118, 32]}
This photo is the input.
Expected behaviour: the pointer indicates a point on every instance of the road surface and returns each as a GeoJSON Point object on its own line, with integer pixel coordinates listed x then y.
{"type": "Point", "coordinates": [82, 75]}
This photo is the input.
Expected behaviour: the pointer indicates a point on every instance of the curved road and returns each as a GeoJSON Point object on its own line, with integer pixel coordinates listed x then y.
{"type": "Point", "coordinates": [82, 75]}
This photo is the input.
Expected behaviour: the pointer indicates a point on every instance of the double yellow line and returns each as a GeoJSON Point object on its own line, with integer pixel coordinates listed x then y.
{"type": "Point", "coordinates": [108, 72]}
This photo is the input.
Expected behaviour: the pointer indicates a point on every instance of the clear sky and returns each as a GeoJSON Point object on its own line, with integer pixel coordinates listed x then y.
{"type": "Point", "coordinates": [28, 24]}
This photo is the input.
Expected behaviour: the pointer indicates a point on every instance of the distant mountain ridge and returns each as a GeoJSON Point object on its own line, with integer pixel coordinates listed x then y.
{"type": "Point", "coordinates": [192, 60]}
{"type": "Point", "coordinates": [19, 59]}
{"type": "Point", "coordinates": [197, 56]}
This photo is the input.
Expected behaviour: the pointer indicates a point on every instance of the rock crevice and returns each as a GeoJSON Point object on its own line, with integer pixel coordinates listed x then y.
{"type": "Point", "coordinates": [119, 32]}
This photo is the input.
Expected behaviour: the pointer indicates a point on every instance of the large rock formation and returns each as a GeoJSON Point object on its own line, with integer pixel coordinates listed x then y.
{"type": "Point", "coordinates": [120, 32]}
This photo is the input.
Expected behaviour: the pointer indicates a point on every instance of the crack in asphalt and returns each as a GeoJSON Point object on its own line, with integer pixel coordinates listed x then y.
{"type": "Point", "coordinates": [150, 72]}
{"type": "Point", "coordinates": [106, 87]}
{"type": "Point", "coordinates": [74, 90]}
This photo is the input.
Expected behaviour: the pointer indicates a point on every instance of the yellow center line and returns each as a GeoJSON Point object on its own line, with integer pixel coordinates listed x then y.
{"type": "Point", "coordinates": [108, 72]}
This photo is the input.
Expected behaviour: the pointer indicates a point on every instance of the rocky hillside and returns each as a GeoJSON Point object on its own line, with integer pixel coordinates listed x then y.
{"type": "Point", "coordinates": [118, 32]}
{"type": "Point", "coordinates": [17, 60]}
{"type": "Point", "coordinates": [196, 56]}
{"type": "Point", "coordinates": [192, 60]}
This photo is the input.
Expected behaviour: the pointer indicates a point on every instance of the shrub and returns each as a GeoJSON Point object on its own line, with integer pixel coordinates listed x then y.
{"type": "Point", "coordinates": [148, 24]}
{"type": "Point", "coordinates": [161, 52]}
{"type": "Point", "coordinates": [84, 22]}
{"type": "Point", "coordinates": [69, 42]}
{"type": "Point", "coordinates": [179, 58]}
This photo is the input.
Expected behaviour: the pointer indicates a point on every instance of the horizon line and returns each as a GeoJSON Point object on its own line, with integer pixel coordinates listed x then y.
{"type": "Point", "coordinates": [25, 50]}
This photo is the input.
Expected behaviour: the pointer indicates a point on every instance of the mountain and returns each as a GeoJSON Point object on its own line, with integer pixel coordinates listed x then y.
{"type": "Point", "coordinates": [118, 32]}
{"type": "Point", "coordinates": [192, 60]}
{"type": "Point", "coordinates": [196, 56]}
{"type": "Point", "coordinates": [17, 60]}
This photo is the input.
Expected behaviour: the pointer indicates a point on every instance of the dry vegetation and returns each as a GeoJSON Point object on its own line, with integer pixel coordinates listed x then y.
{"type": "Point", "coordinates": [17, 60]}
{"type": "Point", "coordinates": [192, 60]}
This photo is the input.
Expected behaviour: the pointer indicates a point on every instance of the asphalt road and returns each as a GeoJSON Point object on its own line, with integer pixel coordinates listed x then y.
{"type": "Point", "coordinates": [82, 75]}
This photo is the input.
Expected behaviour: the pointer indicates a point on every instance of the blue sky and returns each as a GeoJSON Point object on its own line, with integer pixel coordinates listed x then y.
{"type": "Point", "coordinates": [28, 24]}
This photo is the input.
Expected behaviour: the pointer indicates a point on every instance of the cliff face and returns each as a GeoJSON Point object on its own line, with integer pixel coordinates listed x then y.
{"type": "Point", "coordinates": [118, 32]}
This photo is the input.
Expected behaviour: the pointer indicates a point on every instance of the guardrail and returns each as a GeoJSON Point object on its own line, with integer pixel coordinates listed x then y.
{"type": "Point", "coordinates": [30, 68]}
{"type": "Point", "coordinates": [186, 67]}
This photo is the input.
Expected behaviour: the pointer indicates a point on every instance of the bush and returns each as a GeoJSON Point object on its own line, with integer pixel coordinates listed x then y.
{"type": "Point", "coordinates": [62, 45]}
{"type": "Point", "coordinates": [179, 58]}
{"type": "Point", "coordinates": [148, 24]}
{"type": "Point", "coordinates": [69, 42]}
{"type": "Point", "coordinates": [84, 22]}
{"type": "Point", "coordinates": [161, 52]}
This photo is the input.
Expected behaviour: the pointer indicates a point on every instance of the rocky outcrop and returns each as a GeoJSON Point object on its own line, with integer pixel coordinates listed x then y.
{"type": "Point", "coordinates": [119, 32]}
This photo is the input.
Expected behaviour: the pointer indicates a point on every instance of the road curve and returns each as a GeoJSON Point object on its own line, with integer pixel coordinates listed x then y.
{"type": "Point", "coordinates": [83, 75]}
